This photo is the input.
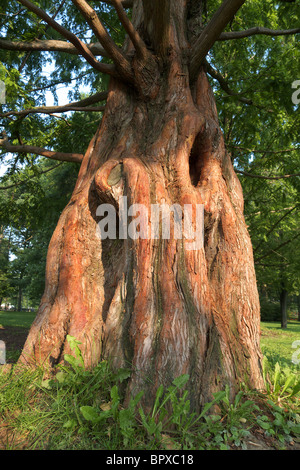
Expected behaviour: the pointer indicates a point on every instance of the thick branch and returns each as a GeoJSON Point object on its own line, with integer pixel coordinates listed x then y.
{"type": "Point", "coordinates": [260, 150]}
{"type": "Point", "coordinates": [51, 45]}
{"type": "Point", "coordinates": [266, 177]}
{"type": "Point", "coordinates": [257, 30]}
{"type": "Point", "coordinates": [65, 157]}
{"type": "Point", "coordinates": [80, 46]}
{"type": "Point", "coordinates": [211, 33]}
{"type": "Point", "coordinates": [157, 15]}
{"type": "Point", "coordinates": [121, 62]}
{"type": "Point", "coordinates": [136, 39]}
{"type": "Point", "coordinates": [81, 105]}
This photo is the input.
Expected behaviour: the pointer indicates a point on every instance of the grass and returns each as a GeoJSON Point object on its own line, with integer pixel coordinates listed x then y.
{"type": "Point", "coordinates": [82, 409]}
{"type": "Point", "coordinates": [16, 319]}
{"type": "Point", "coordinates": [279, 344]}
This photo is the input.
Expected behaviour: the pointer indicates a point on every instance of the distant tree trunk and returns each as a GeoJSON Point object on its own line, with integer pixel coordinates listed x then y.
{"type": "Point", "coordinates": [283, 307]}
{"type": "Point", "coordinates": [20, 293]}
{"type": "Point", "coordinates": [19, 303]}
{"type": "Point", "coordinates": [150, 303]}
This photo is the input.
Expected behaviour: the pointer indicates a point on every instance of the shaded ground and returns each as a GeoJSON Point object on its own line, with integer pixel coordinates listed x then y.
{"type": "Point", "coordinates": [14, 338]}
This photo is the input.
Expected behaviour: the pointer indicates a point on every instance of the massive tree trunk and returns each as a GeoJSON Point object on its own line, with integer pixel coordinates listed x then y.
{"type": "Point", "coordinates": [153, 303]}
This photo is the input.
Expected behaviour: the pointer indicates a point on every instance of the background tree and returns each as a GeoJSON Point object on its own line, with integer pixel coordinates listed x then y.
{"type": "Point", "coordinates": [153, 303]}
{"type": "Point", "coordinates": [4, 265]}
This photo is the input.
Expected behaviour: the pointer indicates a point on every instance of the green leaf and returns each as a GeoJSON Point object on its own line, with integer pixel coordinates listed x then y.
{"type": "Point", "coordinates": [158, 396]}
{"type": "Point", "coordinates": [296, 390]}
{"type": "Point", "coordinates": [289, 381]}
{"type": "Point", "coordinates": [61, 376]}
{"type": "Point", "coordinates": [74, 361]}
{"type": "Point", "coordinates": [70, 423]}
{"type": "Point", "coordinates": [276, 385]}
{"type": "Point", "coordinates": [47, 384]}
{"type": "Point", "coordinates": [180, 381]}
{"type": "Point", "coordinates": [122, 374]}
{"type": "Point", "coordinates": [90, 413]}
{"type": "Point", "coordinates": [114, 393]}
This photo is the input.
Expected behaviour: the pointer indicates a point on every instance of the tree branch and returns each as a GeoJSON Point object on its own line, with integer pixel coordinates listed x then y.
{"type": "Point", "coordinates": [157, 12]}
{"type": "Point", "coordinates": [80, 46]}
{"type": "Point", "coordinates": [223, 84]}
{"type": "Point", "coordinates": [65, 157]}
{"type": "Point", "coordinates": [274, 226]}
{"type": "Point", "coordinates": [211, 33]}
{"type": "Point", "coordinates": [257, 30]}
{"type": "Point", "coordinates": [266, 177]}
{"type": "Point", "coordinates": [81, 105]}
{"type": "Point", "coordinates": [2, 188]}
{"type": "Point", "coordinates": [136, 39]}
{"type": "Point", "coordinates": [277, 248]}
{"type": "Point", "coordinates": [40, 35]}
{"type": "Point", "coordinates": [260, 150]}
{"type": "Point", "coordinates": [121, 62]}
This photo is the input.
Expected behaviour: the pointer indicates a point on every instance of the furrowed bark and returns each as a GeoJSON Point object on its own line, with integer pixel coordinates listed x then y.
{"type": "Point", "coordinates": [158, 19]}
{"type": "Point", "coordinates": [149, 303]}
{"type": "Point", "coordinates": [155, 303]}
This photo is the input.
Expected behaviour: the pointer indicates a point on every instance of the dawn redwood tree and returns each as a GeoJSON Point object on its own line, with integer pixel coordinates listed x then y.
{"type": "Point", "coordinates": [152, 304]}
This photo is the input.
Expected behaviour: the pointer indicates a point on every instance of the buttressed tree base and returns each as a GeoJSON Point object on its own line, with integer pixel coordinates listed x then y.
{"type": "Point", "coordinates": [152, 304]}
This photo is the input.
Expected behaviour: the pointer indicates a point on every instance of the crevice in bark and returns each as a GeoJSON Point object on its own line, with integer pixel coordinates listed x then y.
{"type": "Point", "coordinates": [195, 160]}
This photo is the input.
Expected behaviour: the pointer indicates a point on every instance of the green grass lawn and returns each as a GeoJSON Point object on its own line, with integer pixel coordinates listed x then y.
{"type": "Point", "coordinates": [17, 319]}
{"type": "Point", "coordinates": [275, 342]}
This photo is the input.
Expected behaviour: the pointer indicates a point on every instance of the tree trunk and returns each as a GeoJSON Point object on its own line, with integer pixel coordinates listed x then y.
{"type": "Point", "coordinates": [20, 293]}
{"type": "Point", "coordinates": [151, 303]}
{"type": "Point", "coordinates": [283, 307]}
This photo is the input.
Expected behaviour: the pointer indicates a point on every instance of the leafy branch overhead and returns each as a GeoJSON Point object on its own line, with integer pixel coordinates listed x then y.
{"type": "Point", "coordinates": [107, 56]}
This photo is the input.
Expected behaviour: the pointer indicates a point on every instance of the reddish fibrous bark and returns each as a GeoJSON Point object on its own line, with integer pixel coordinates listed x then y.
{"type": "Point", "coordinates": [152, 304]}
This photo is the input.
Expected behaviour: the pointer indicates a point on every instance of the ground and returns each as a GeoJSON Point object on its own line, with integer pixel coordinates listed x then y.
{"type": "Point", "coordinates": [14, 338]}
